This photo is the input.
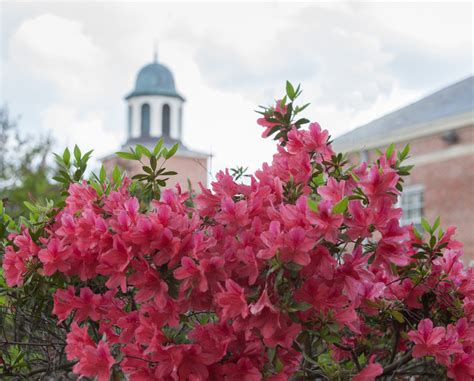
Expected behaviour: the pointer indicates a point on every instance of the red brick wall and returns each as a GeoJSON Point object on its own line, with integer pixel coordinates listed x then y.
{"type": "Point", "coordinates": [448, 192]}
{"type": "Point", "coordinates": [448, 182]}
{"type": "Point", "coordinates": [194, 169]}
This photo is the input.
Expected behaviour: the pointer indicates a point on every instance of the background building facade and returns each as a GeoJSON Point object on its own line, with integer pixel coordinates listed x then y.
{"type": "Point", "coordinates": [440, 131]}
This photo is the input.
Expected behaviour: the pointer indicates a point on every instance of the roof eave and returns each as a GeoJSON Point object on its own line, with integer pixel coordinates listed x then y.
{"type": "Point", "coordinates": [410, 132]}
{"type": "Point", "coordinates": [134, 94]}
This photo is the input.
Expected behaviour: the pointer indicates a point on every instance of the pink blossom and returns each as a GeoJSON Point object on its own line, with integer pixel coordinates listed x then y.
{"type": "Point", "coordinates": [426, 339]}
{"type": "Point", "coordinates": [333, 191]}
{"type": "Point", "coordinates": [232, 300]}
{"type": "Point", "coordinates": [95, 362]}
{"type": "Point", "coordinates": [370, 372]}
{"type": "Point", "coordinates": [54, 257]}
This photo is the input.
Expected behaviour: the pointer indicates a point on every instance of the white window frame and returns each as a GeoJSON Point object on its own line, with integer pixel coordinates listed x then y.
{"type": "Point", "coordinates": [418, 205]}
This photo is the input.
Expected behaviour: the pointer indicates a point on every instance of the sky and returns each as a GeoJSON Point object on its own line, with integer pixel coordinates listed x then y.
{"type": "Point", "coordinates": [65, 67]}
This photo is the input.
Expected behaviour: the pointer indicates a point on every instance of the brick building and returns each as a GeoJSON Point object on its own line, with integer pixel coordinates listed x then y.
{"type": "Point", "coordinates": [440, 130]}
{"type": "Point", "coordinates": [154, 111]}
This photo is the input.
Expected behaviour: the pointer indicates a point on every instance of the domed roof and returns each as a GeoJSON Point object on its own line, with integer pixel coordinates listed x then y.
{"type": "Point", "coordinates": [154, 79]}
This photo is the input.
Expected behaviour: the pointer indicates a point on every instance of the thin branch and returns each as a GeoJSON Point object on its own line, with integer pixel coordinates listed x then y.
{"type": "Point", "coordinates": [65, 366]}
{"type": "Point", "coordinates": [403, 360]}
{"type": "Point", "coordinates": [396, 340]}
{"type": "Point", "coordinates": [31, 344]}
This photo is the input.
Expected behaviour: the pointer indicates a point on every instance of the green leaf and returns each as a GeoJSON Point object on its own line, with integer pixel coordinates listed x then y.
{"type": "Point", "coordinates": [389, 151]}
{"type": "Point", "coordinates": [425, 225]}
{"type": "Point", "coordinates": [31, 207]}
{"type": "Point", "coordinates": [77, 153]}
{"type": "Point", "coordinates": [313, 205]}
{"type": "Point", "coordinates": [142, 149]}
{"type": "Point", "coordinates": [302, 306]}
{"type": "Point", "coordinates": [398, 316]}
{"type": "Point", "coordinates": [116, 175]}
{"type": "Point", "coordinates": [147, 170]}
{"type": "Point", "coordinates": [332, 339]}
{"type": "Point", "coordinates": [271, 353]}
{"type": "Point", "coordinates": [301, 121]}
{"type": "Point", "coordinates": [436, 224]}
{"type": "Point", "coordinates": [169, 173]}
{"type": "Point", "coordinates": [341, 206]}
{"type": "Point", "coordinates": [299, 109]}
{"type": "Point", "coordinates": [126, 155]}
{"type": "Point", "coordinates": [278, 365]}
{"type": "Point", "coordinates": [171, 152]}
{"type": "Point", "coordinates": [153, 162]}
{"type": "Point", "coordinates": [103, 174]}
{"type": "Point", "coordinates": [318, 180]}
{"type": "Point", "coordinates": [67, 156]}
{"type": "Point", "coordinates": [290, 90]}
{"type": "Point", "coordinates": [87, 156]}
{"type": "Point", "coordinates": [405, 152]}
{"type": "Point", "coordinates": [158, 146]}
{"type": "Point", "coordinates": [420, 255]}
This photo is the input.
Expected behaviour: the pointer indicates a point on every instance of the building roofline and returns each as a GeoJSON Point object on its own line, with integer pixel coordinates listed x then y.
{"type": "Point", "coordinates": [135, 94]}
{"type": "Point", "coordinates": [411, 132]}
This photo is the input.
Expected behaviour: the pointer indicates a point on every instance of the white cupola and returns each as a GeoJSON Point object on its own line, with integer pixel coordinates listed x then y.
{"type": "Point", "coordinates": [155, 108]}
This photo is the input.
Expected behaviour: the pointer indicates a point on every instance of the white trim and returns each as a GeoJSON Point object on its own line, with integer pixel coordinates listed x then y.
{"type": "Point", "coordinates": [156, 103]}
{"type": "Point", "coordinates": [411, 132]}
{"type": "Point", "coordinates": [442, 154]}
{"type": "Point", "coordinates": [413, 188]}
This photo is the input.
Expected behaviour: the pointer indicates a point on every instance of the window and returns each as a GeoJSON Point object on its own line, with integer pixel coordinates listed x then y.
{"type": "Point", "coordinates": [145, 125]}
{"type": "Point", "coordinates": [166, 120]}
{"type": "Point", "coordinates": [411, 202]}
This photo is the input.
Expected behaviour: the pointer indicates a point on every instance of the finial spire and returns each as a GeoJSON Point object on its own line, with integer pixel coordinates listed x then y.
{"type": "Point", "coordinates": [155, 51]}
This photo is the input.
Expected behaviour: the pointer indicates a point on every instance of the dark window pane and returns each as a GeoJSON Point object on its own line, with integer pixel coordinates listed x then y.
{"type": "Point", "coordinates": [166, 120]}
{"type": "Point", "coordinates": [145, 126]}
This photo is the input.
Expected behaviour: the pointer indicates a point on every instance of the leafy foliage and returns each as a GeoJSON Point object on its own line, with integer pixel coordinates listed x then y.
{"type": "Point", "coordinates": [24, 171]}
{"type": "Point", "coordinates": [303, 274]}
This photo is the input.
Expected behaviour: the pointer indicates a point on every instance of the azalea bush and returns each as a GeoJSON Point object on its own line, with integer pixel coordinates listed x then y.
{"type": "Point", "coordinates": [301, 272]}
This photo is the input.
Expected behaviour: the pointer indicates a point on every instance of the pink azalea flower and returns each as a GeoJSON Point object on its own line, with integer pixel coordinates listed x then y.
{"type": "Point", "coordinates": [370, 372]}
{"type": "Point", "coordinates": [379, 183]}
{"type": "Point", "coordinates": [244, 369]}
{"type": "Point", "coordinates": [114, 263]}
{"type": "Point", "coordinates": [14, 266]}
{"type": "Point", "coordinates": [86, 305]}
{"type": "Point", "coordinates": [426, 339]}
{"type": "Point", "coordinates": [95, 362]}
{"type": "Point", "coordinates": [77, 339]}
{"type": "Point", "coordinates": [317, 140]}
{"type": "Point", "coordinates": [232, 301]}
{"type": "Point", "coordinates": [326, 222]}
{"type": "Point", "coordinates": [333, 191]}
{"type": "Point", "coordinates": [55, 257]}
{"type": "Point", "coordinates": [64, 303]}
{"type": "Point", "coordinates": [462, 367]}
{"type": "Point", "coordinates": [296, 247]}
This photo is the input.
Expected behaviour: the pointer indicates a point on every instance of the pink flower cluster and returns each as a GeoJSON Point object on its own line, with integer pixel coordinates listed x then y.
{"type": "Point", "coordinates": [172, 292]}
{"type": "Point", "coordinates": [452, 346]}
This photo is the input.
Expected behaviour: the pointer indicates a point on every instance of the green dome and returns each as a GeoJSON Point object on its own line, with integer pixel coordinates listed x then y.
{"type": "Point", "coordinates": [155, 79]}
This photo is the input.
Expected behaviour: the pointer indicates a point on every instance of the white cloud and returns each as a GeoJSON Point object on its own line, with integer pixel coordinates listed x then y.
{"type": "Point", "coordinates": [69, 127]}
{"type": "Point", "coordinates": [56, 49]}
{"type": "Point", "coordinates": [356, 61]}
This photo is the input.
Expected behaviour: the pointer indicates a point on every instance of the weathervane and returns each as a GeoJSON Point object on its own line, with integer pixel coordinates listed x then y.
{"type": "Point", "coordinates": [155, 51]}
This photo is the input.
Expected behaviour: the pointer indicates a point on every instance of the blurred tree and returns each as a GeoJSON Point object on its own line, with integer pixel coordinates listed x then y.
{"type": "Point", "coordinates": [24, 170]}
